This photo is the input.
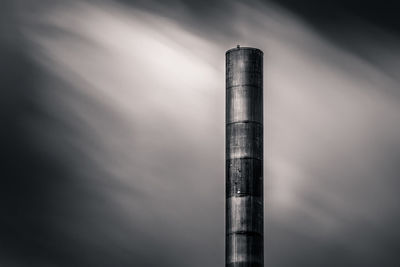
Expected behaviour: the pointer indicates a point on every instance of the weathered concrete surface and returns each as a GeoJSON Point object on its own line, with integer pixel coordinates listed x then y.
{"type": "Point", "coordinates": [244, 158]}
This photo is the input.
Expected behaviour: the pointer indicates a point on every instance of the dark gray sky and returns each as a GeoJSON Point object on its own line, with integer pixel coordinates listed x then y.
{"type": "Point", "coordinates": [113, 131]}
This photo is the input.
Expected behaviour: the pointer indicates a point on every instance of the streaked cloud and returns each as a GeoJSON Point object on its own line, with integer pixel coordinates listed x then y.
{"type": "Point", "coordinates": [130, 104]}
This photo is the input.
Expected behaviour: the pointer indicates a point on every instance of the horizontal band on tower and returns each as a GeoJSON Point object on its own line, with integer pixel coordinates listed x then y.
{"type": "Point", "coordinates": [244, 264]}
{"type": "Point", "coordinates": [238, 158]}
{"type": "Point", "coordinates": [246, 233]}
{"type": "Point", "coordinates": [243, 121]}
{"type": "Point", "coordinates": [242, 85]}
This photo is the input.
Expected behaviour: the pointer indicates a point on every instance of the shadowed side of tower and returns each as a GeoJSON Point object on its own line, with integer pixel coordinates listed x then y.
{"type": "Point", "coordinates": [244, 158]}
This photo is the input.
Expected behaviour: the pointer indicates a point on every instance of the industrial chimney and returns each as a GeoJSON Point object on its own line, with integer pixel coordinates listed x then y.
{"type": "Point", "coordinates": [244, 243]}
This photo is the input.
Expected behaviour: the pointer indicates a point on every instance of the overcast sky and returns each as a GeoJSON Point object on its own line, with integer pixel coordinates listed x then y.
{"type": "Point", "coordinates": [112, 131]}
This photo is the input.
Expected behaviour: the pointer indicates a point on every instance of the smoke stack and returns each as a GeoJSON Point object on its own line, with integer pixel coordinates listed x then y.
{"type": "Point", "coordinates": [244, 230]}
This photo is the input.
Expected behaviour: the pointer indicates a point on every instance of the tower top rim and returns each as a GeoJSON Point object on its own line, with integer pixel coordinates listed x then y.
{"type": "Point", "coordinates": [238, 48]}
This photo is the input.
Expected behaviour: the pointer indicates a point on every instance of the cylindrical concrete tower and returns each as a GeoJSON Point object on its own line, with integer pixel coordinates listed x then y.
{"type": "Point", "coordinates": [244, 244]}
